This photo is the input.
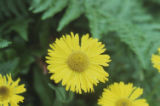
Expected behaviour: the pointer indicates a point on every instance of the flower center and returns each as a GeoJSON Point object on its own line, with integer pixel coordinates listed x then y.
{"type": "Point", "coordinates": [4, 93]}
{"type": "Point", "coordinates": [123, 102]}
{"type": "Point", "coordinates": [78, 61]}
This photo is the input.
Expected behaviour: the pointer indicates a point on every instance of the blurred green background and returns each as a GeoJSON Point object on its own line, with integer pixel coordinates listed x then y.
{"type": "Point", "coordinates": [130, 29]}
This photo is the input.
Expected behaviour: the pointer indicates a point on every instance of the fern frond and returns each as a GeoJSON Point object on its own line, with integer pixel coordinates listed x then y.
{"type": "Point", "coordinates": [74, 11]}
{"type": "Point", "coordinates": [143, 42]}
{"type": "Point", "coordinates": [50, 7]}
{"type": "Point", "coordinates": [10, 9]}
{"type": "Point", "coordinates": [55, 8]}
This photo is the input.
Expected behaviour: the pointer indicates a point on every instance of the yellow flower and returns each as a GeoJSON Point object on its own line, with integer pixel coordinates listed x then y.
{"type": "Point", "coordinates": [120, 94]}
{"type": "Point", "coordinates": [10, 90]}
{"type": "Point", "coordinates": [77, 65]}
{"type": "Point", "coordinates": [156, 60]}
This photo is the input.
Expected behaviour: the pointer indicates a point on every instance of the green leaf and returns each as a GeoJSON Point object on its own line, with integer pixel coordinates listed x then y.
{"type": "Point", "coordinates": [43, 6]}
{"type": "Point", "coordinates": [61, 94]}
{"type": "Point", "coordinates": [55, 8]}
{"type": "Point", "coordinates": [11, 9]}
{"type": "Point", "coordinates": [3, 10]}
{"type": "Point", "coordinates": [156, 1]}
{"type": "Point", "coordinates": [4, 43]}
{"type": "Point", "coordinates": [41, 87]}
{"type": "Point", "coordinates": [44, 34]}
{"type": "Point", "coordinates": [9, 66]}
{"type": "Point", "coordinates": [74, 10]}
{"type": "Point", "coordinates": [26, 61]}
{"type": "Point", "coordinates": [34, 4]}
{"type": "Point", "coordinates": [126, 22]}
{"type": "Point", "coordinates": [102, 14]}
{"type": "Point", "coordinates": [143, 41]}
{"type": "Point", "coordinates": [21, 27]}
{"type": "Point", "coordinates": [22, 7]}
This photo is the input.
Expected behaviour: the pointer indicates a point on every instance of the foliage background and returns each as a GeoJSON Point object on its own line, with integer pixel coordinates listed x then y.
{"type": "Point", "coordinates": [129, 28]}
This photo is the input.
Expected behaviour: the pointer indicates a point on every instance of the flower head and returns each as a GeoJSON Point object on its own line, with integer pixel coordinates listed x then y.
{"type": "Point", "coordinates": [156, 60]}
{"type": "Point", "coordinates": [10, 90]}
{"type": "Point", "coordinates": [77, 62]}
{"type": "Point", "coordinates": [120, 94]}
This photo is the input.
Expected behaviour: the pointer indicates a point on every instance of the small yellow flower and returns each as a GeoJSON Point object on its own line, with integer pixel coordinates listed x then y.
{"type": "Point", "coordinates": [9, 91]}
{"type": "Point", "coordinates": [120, 94]}
{"type": "Point", "coordinates": [156, 60]}
{"type": "Point", "coordinates": [77, 62]}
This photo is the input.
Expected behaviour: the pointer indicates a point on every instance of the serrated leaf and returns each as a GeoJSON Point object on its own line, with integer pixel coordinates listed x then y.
{"type": "Point", "coordinates": [74, 10]}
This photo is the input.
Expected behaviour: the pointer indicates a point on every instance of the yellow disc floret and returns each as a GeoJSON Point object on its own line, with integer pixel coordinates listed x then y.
{"type": "Point", "coordinates": [123, 102]}
{"type": "Point", "coordinates": [4, 92]}
{"type": "Point", "coordinates": [78, 61]}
